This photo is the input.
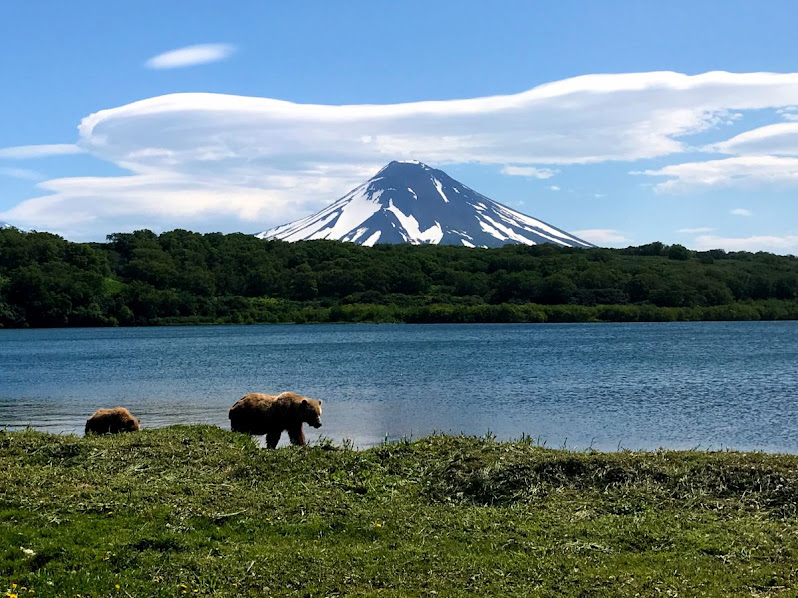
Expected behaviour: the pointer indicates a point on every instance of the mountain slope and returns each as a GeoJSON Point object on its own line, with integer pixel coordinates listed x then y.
{"type": "Point", "coordinates": [409, 202]}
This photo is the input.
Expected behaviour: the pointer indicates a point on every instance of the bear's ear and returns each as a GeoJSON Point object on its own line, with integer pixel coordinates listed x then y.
{"type": "Point", "coordinates": [304, 402]}
{"type": "Point", "coordinates": [319, 400]}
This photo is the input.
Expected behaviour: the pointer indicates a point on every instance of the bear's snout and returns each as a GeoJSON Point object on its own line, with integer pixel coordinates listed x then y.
{"type": "Point", "coordinates": [316, 424]}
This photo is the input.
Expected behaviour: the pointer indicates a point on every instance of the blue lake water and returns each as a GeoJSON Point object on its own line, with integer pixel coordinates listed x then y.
{"type": "Point", "coordinates": [676, 385]}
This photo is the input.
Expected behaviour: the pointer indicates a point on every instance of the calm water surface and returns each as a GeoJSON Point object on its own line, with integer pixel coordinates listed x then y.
{"type": "Point", "coordinates": [676, 385]}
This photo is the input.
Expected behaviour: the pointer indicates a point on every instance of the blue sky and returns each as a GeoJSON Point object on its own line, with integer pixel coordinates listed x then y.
{"type": "Point", "coordinates": [683, 156]}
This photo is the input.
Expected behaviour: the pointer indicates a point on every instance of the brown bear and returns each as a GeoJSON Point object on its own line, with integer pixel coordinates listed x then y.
{"type": "Point", "coordinates": [111, 421]}
{"type": "Point", "coordinates": [258, 414]}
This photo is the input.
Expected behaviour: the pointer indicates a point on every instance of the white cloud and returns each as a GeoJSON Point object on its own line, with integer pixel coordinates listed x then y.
{"type": "Point", "coordinates": [700, 229]}
{"type": "Point", "coordinates": [529, 171]}
{"type": "Point", "coordinates": [780, 139]}
{"type": "Point", "coordinates": [21, 152]}
{"type": "Point", "coordinates": [740, 212]}
{"type": "Point", "coordinates": [765, 157]}
{"type": "Point", "coordinates": [789, 113]}
{"type": "Point", "coordinates": [21, 173]}
{"type": "Point", "coordinates": [586, 119]}
{"type": "Point", "coordinates": [160, 200]}
{"type": "Point", "coordinates": [743, 172]}
{"type": "Point", "coordinates": [191, 56]}
{"type": "Point", "coordinates": [554, 188]}
{"type": "Point", "coordinates": [787, 244]}
{"type": "Point", "coordinates": [603, 236]}
{"type": "Point", "coordinates": [234, 151]}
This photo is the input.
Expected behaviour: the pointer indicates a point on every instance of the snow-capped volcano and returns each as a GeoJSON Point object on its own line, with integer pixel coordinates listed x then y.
{"type": "Point", "coordinates": [409, 202]}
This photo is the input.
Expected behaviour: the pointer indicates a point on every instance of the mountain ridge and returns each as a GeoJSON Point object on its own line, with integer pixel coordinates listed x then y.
{"type": "Point", "coordinates": [410, 202]}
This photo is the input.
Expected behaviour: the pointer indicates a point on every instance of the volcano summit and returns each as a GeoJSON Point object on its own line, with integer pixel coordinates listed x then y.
{"type": "Point", "coordinates": [409, 202]}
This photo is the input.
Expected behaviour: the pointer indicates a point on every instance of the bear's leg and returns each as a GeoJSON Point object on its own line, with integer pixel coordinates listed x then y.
{"type": "Point", "coordinates": [236, 425]}
{"type": "Point", "coordinates": [273, 437]}
{"type": "Point", "coordinates": [296, 435]}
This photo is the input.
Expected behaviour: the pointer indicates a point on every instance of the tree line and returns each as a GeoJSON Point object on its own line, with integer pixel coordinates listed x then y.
{"type": "Point", "coordinates": [182, 277]}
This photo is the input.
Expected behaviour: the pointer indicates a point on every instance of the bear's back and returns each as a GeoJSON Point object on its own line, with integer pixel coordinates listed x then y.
{"type": "Point", "coordinates": [116, 419]}
{"type": "Point", "coordinates": [269, 403]}
{"type": "Point", "coordinates": [255, 400]}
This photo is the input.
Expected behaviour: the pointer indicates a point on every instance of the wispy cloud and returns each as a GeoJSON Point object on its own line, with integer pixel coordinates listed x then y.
{"type": "Point", "coordinates": [780, 139]}
{"type": "Point", "coordinates": [700, 229]}
{"type": "Point", "coordinates": [764, 157]}
{"type": "Point", "coordinates": [554, 188]}
{"type": "Point", "coordinates": [741, 212]}
{"type": "Point", "coordinates": [191, 56]}
{"type": "Point", "coordinates": [789, 113]}
{"type": "Point", "coordinates": [772, 243]}
{"type": "Point", "coordinates": [603, 236]}
{"type": "Point", "coordinates": [739, 172]}
{"type": "Point", "coordinates": [22, 173]}
{"type": "Point", "coordinates": [160, 200]}
{"type": "Point", "coordinates": [529, 171]}
{"type": "Point", "coordinates": [21, 152]}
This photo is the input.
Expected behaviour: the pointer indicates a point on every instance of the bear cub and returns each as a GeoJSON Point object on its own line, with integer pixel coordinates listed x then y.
{"type": "Point", "coordinates": [258, 413]}
{"type": "Point", "coordinates": [111, 421]}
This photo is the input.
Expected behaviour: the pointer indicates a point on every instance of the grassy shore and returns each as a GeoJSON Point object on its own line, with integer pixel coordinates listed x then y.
{"type": "Point", "coordinates": [196, 510]}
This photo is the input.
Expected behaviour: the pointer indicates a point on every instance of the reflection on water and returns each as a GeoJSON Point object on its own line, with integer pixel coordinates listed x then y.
{"type": "Point", "coordinates": [678, 385]}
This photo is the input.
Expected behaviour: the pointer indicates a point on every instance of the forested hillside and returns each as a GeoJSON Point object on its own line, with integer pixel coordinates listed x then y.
{"type": "Point", "coordinates": [183, 277]}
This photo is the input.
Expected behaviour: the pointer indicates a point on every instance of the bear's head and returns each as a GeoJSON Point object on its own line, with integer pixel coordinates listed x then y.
{"type": "Point", "coordinates": [311, 412]}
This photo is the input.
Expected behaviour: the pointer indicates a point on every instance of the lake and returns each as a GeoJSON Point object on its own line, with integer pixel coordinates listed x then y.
{"type": "Point", "coordinates": [639, 386]}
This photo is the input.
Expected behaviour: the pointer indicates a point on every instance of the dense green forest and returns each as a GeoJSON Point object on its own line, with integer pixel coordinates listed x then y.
{"type": "Point", "coordinates": [181, 277]}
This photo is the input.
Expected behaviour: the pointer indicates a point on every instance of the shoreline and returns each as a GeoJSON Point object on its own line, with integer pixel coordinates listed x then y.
{"type": "Point", "coordinates": [348, 444]}
{"type": "Point", "coordinates": [772, 310]}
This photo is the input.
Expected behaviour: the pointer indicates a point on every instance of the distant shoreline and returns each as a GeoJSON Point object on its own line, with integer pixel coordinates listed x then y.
{"type": "Point", "coordinates": [506, 313]}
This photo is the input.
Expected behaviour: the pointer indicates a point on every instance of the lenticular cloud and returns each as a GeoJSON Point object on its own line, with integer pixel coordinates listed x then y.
{"type": "Point", "coordinates": [587, 119]}
{"type": "Point", "coordinates": [191, 56]}
{"type": "Point", "coordinates": [257, 161]}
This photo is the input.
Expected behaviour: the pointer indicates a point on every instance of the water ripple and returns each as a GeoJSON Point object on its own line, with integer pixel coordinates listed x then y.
{"type": "Point", "coordinates": [677, 385]}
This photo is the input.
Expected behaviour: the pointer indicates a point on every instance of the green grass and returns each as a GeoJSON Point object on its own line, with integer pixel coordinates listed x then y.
{"type": "Point", "coordinates": [196, 510]}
